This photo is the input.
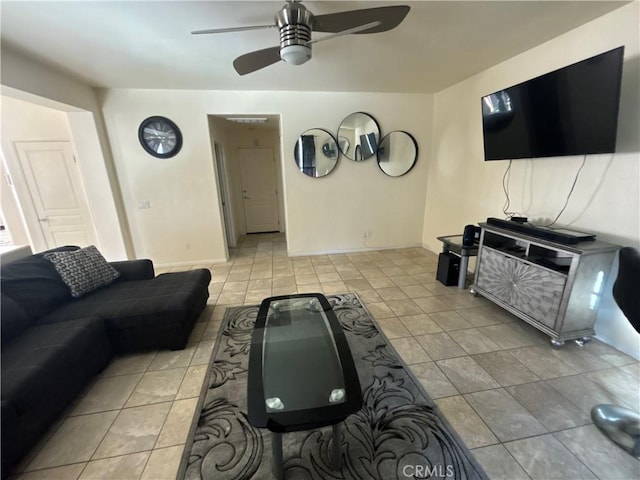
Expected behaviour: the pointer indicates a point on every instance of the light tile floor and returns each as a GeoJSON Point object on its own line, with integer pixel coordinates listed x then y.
{"type": "Point", "coordinates": [521, 406]}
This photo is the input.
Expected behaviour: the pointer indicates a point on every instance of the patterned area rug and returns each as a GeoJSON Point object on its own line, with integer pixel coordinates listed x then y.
{"type": "Point", "coordinates": [398, 434]}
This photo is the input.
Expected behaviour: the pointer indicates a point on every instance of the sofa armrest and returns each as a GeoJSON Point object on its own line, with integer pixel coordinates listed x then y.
{"type": "Point", "coordinates": [134, 269]}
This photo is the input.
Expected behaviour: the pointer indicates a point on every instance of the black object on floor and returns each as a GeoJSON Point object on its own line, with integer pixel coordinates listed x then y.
{"type": "Point", "coordinates": [448, 269]}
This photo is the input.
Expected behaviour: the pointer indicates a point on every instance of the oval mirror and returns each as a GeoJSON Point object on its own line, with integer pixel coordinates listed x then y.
{"type": "Point", "coordinates": [359, 135]}
{"type": "Point", "coordinates": [316, 152]}
{"type": "Point", "coordinates": [397, 153]}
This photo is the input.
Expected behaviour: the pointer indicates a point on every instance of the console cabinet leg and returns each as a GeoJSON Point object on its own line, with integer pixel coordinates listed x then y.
{"type": "Point", "coordinates": [556, 343]}
{"type": "Point", "coordinates": [582, 341]}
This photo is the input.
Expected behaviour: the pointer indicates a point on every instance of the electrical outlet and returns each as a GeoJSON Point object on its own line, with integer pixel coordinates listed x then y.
{"type": "Point", "coordinates": [187, 246]}
{"type": "Point", "coordinates": [143, 204]}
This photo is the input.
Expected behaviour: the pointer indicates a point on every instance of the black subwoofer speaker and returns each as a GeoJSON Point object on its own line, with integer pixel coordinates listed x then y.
{"type": "Point", "coordinates": [448, 269]}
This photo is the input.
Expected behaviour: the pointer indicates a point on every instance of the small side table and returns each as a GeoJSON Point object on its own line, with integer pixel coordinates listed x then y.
{"type": "Point", "coordinates": [453, 244]}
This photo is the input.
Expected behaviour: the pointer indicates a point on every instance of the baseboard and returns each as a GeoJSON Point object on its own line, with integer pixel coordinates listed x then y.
{"type": "Point", "coordinates": [431, 249]}
{"type": "Point", "coordinates": [191, 262]}
{"type": "Point", "coordinates": [350, 250]}
{"type": "Point", "coordinates": [302, 254]}
{"type": "Point", "coordinates": [627, 349]}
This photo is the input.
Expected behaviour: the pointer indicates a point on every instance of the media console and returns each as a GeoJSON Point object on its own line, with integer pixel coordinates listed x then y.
{"type": "Point", "coordinates": [553, 286]}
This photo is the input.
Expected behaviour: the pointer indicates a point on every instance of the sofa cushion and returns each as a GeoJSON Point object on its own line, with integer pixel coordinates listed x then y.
{"type": "Point", "coordinates": [34, 284]}
{"type": "Point", "coordinates": [34, 363]}
{"type": "Point", "coordinates": [43, 370]}
{"type": "Point", "coordinates": [147, 314]}
{"type": "Point", "coordinates": [83, 270]}
{"type": "Point", "coordinates": [13, 319]}
{"type": "Point", "coordinates": [164, 299]}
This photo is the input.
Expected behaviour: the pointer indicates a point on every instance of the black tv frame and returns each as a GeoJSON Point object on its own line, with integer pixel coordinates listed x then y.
{"type": "Point", "coordinates": [553, 138]}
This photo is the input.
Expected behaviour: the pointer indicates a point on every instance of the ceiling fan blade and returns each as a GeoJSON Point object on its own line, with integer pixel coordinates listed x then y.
{"type": "Point", "coordinates": [389, 17]}
{"type": "Point", "coordinates": [232, 29]}
{"type": "Point", "coordinates": [350, 31]}
{"type": "Point", "coordinates": [252, 61]}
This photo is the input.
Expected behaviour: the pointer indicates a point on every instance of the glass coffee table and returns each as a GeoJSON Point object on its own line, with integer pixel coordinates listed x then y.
{"type": "Point", "coordinates": [301, 372]}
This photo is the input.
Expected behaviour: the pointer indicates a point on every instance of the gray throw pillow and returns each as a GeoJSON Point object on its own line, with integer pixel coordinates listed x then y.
{"type": "Point", "coordinates": [83, 270]}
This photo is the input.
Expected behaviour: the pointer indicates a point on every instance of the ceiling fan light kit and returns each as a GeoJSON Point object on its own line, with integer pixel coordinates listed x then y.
{"type": "Point", "coordinates": [296, 23]}
{"type": "Point", "coordinates": [295, 54]}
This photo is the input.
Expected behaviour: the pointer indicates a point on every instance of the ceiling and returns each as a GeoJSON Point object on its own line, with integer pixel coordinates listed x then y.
{"type": "Point", "coordinates": [147, 44]}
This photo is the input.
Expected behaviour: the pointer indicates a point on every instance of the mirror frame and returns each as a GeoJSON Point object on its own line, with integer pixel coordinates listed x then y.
{"type": "Point", "coordinates": [415, 157]}
{"type": "Point", "coordinates": [356, 144]}
{"type": "Point", "coordinates": [295, 152]}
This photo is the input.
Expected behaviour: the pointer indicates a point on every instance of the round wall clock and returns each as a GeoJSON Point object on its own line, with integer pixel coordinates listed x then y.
{"type": "Point", "coordinates": [160, 137]}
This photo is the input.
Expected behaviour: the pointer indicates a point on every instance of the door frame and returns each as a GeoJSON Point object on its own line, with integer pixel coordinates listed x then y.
{"type": "Point", "coordinates": [225, 197]}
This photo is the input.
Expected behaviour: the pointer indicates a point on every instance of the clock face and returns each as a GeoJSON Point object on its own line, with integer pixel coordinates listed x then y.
{"type": "Point", "coordinates": [160, 137]}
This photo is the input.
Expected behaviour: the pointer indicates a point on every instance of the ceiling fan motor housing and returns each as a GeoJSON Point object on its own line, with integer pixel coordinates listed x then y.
{"type": "Point", "coordinates": [294, 22]}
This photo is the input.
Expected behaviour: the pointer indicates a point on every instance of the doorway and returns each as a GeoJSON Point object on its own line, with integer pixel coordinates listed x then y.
{"type": "Point", "coordinates": [94, 207]}
{"type": "Point", "coordinates": [247, 154]}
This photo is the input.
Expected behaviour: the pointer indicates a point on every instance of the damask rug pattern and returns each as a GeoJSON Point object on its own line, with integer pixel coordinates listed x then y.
{"type": "Point", "coordinates": [398, 434]}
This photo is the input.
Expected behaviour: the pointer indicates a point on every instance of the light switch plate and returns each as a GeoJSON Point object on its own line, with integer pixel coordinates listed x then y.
{"type": "Point", "coordinates": [142, 204]}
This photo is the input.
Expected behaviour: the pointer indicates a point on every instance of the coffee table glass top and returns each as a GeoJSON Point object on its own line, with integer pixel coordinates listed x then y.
{"type": "Point", "coordinates": [298, 346]}
{"type": "Point", "coordinates": [301, 372]}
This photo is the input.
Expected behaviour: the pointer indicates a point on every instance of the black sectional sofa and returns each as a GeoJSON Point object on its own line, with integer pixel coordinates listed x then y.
{"type": "Point", "coordinates": [54, 344]}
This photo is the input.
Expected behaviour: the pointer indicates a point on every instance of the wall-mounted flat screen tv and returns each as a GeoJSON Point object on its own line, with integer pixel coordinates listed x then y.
{"type": "Point", "coordinates": [570, 111]}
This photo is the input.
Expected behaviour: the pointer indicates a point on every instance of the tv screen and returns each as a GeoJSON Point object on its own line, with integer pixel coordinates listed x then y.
{"type": "Point", "coordinates": [570, 111]}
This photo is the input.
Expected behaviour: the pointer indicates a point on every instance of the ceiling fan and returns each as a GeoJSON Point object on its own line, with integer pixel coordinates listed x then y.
{"type": "Point", "coordinates": [296, 23]}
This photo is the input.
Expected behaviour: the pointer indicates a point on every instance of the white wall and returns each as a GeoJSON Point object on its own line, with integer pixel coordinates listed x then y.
{"type": "Point", "coordinates": [322, 215]}
{"type": "Point", "coordinates": [463, 189]}
{"type": "Point", "coordinates": [30, 80]}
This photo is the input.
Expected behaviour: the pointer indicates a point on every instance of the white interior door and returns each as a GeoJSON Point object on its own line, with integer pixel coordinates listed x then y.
{"type": "Point", "coordinates": [56, 189]}
{"type": "Point", "coordinates": [259, 189]}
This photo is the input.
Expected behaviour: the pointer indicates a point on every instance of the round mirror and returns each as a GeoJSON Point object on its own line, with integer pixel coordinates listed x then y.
{"type": "Point", "coordinates": [397, 153]}
{"type": "Point", "coordinates": [359, 135]}
{"type": "Point", "coordinates": [316, 152]}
